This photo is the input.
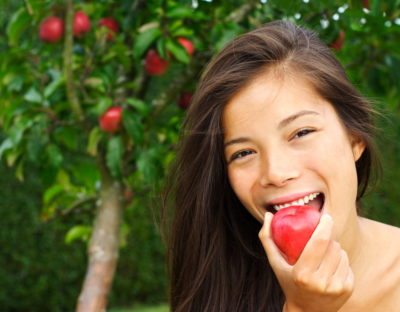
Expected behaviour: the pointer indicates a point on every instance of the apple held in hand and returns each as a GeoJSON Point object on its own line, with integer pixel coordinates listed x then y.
{"type": "Point", "coordinates": [154, 64]}
{"type": "Point", "coordinates": [292, 227]}
{"type": "Point", "coordinates": [81, 23]}
{"type": "Point", "coordinates": [110, 121]}
{"type": "Point", "coordinates": [51, 29]}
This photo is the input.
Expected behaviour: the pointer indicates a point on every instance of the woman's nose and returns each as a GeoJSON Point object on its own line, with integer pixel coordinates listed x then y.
{"type": "Point", "coordinates": [278, 168]}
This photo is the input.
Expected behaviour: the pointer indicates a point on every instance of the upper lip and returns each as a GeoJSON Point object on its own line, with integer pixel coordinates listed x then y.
{"type": "Point", "coordinates": [289, 198]}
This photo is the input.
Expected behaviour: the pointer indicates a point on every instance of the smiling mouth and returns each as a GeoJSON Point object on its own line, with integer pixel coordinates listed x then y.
{"type": "Point", "coordinates": [315, 200]}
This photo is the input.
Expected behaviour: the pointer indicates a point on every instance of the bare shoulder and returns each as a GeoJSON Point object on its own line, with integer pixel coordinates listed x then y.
{"type": "Point", "coordinates": [384, 234]}
{"type": "Point", "coordinates": [384, 242]}
{"type": "Point", "coordinates": [386, 239]}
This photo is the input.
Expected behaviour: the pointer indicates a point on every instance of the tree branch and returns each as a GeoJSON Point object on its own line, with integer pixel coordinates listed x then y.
{"type": "Point", "coordinates": [239, 14]}
{"type": "Point", "coordinates": [69, 76]}
{"type": "Point", "coordinates": [77, 204]}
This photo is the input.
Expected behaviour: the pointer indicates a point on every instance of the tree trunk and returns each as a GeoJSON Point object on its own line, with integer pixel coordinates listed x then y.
{"type": "Point", "coordinates": [103, 247]}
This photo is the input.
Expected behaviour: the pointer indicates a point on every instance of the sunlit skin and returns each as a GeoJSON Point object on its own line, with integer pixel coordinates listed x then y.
{"type": "Point", "coordinates": [284, 141]}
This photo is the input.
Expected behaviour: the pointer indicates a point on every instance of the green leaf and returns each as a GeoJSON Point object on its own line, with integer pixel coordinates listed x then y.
{"type": "Point", "coordinates": [375, 7]}
{"type": "Point", "coordinates": [182, 32]}
{"type": "Point", "coordinates": [178, 51]}
{"type": "Point", "coordinates": [141, 106]}
{"type": "Point", "coordinates": [115, 152]}
{"type": "Point", "coordinates": [33, 96]}
{"type": "Point", "coordinates": [19, 171]}
{"type": "Point", "coordinates": [224, 33]}
{"type": "Point", "coordinates": [94, 138]}
{"type": "Point", "coordinates": [15, 84]}
{"type": "Point", "coordinates": [6, 145]}
{"type": "Point", "coordinates": [18, 129]}
{"type": "Point", "coordinates": [123, 235]}
{"type": "Point", "coordinates": [161, 48]}
{"type": "Point", "coordinates": [64, 180]}
{"type": "Point", "coordinates": [102, 105]}
{"type": "Point", "coordinates": [86, 173]}
{"type": "Point", "coordinates": [147, 164]}
{"type": "Point", "coordinates": [95, 83]}
{"type": "Point", "coordinates": [37, 140]}
{"type": "Point", "coordinates": [145, 39]}
{"type": "Point", "coordinates": [51, 193]}
{"type": "Point", "coordinates": [54, 155]}
{"type": "Point", "coordinates": [78, 232]}
{"type": "Point", "coordinates": [133, 126]}
{"type": "Point", "coordinates": [53, 86]}
{"type": "Point", "coordinates": [180, 12]}
{"type": "Point", "coordinates": [17, 25]}
{"type": "Point", "coordinates": [68, 137]}
{"type": "Point", "coordinates": [12, 157]}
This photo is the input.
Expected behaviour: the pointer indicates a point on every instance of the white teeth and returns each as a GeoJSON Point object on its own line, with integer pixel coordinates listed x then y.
{"type": "Point", "coordinates": [298, 202]}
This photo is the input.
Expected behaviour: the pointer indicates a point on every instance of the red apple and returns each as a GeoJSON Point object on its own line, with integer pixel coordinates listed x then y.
{"type": "Point", "coordinates": [339, 41]}
{"type": "Point", "coordinates": [111, 119]}
{"type": "Point", "coordinates": [154, 64]}
{"type": "Point", "coordinates": [185, 99]}
{"type": "Point", "coordinates": [51, 29]}
{"type": "Point", "coordinates": [292, 227]}
{"type": "Point", "coordinates": [187, 44]}
{"type": "Point", "coordinates": [81, 23]}
{"type": "Point", "coordinates": [111, 24]}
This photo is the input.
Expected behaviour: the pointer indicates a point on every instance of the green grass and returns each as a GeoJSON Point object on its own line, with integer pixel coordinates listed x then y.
{"type": "Point", "coordinates": [157, 308]}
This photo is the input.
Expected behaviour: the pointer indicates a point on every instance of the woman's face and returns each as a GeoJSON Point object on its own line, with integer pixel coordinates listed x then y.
{"type": "Point", "coordinates": [285, 145]}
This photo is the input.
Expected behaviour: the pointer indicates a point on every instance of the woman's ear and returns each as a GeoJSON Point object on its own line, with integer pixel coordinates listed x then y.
{"type": "Point", "coordinates": [358, 147]}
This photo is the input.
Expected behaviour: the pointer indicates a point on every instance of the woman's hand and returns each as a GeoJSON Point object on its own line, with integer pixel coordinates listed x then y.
{"type": "Point", "coordinates": [321, 279]}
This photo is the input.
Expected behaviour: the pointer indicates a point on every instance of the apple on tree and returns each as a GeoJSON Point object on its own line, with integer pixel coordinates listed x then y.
{"type": "Point", "coordinates": [111, 24]}
{"type": "Point", "coordinates": [292, 227]}
{"type": "Point", "coordinates": [51, 29]}
{"type": "Point", "coordinates": [110, 120]}
{"type": "Point", "coordinates": [154, 64]}
{"type": "Point", "coordinates": [187, 44]}
{"type": "Point", "coordinates": [81, 23]}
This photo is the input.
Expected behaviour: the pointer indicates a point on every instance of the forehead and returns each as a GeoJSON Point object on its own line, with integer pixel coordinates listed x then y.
{"type": "Point", "coordinates": [271, 96]}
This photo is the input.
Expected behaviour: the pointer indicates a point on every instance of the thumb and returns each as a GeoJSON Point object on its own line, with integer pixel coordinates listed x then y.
{"type": "Point", "coordinates": [275, 257]}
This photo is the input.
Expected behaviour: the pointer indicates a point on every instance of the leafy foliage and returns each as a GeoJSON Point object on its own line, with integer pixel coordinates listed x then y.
{"type": "Point", "coordinates": [51, 120]}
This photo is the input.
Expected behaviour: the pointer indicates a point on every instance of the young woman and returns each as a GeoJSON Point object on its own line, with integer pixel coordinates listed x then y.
{"type": "Point", "coordinates": [274, 123]}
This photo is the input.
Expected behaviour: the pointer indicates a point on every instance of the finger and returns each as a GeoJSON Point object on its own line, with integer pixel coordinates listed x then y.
{"type": "Point", "coordinates": [274, 255]}
{"type": "Point", "coordinates": [318, 244]}
{"type": "Point", "coordinates": [331, 260]}
{"type": "Point", "coordinates": [349, 282]}
{"type": "Point", "coordinates": [342, 280]}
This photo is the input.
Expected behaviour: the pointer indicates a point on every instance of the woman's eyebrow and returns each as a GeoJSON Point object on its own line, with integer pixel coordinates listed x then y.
{"type": "Point", "coordinates": [293, 117]}
{"type": "Point", "coordinates": [282, 124]}
{"type": "Point", "coordinates": [236, 141]}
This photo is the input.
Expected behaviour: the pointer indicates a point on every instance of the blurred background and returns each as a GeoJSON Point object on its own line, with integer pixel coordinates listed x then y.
{"type": "Point", "coordinates": [92, 96]}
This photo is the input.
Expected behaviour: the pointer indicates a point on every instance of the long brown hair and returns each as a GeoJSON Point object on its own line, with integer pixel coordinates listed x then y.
{"type": "Point", "coordinates": [215, 258]}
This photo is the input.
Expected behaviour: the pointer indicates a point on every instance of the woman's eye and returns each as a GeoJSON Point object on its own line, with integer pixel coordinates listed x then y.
{"type": "Point", "coordinates": [302, 133]}
{"type": "Point", "coordinates": [241, 154]}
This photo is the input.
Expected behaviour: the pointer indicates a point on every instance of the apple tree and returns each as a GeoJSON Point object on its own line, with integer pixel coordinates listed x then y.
{"type": "Point", "coordinates": [94, 92]}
